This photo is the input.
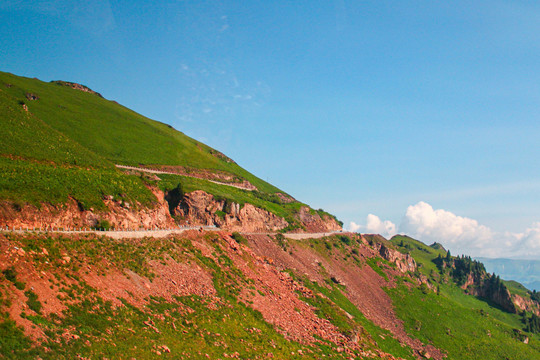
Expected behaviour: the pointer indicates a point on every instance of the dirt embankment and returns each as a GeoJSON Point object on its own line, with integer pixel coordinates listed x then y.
{"type": "Point", "coordinates": [215, 176]}
{"type": "Point", "coordinates": [70, 215]}
{"type": "Point", "coordinates": [169, 211]}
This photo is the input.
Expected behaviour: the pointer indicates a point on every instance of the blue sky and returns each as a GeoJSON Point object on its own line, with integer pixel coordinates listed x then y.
{"type": "Point", "coordinates": [371, 107]}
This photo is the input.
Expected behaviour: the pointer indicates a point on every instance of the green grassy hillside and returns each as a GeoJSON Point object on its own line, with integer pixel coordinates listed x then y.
{"type": "Point", "coordinates": [422, 253]}
{"type": "Point", "coordinates": [466, 326]}
{"type": "Point", "coordinates": [59, 142]}
{"type": "Point", "coordinates": [115, 133]}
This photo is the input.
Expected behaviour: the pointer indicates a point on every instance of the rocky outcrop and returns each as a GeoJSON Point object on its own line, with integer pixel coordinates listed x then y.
{"type": "Point", "coordinates": [285, 198]}
{"type": "Point", "coordinates": [201, 208]}
{"type": "Point", "coordinates": [501, 298]}
{"type": "Point", "coordinates": [197, 207]}
{"type": "Point", "coordinates": [473, 281]}
{"type": "Point", "coordinates": [32, 97]}
{"type": "Point", "coordinates": [168, 211]}
{"type": "Point", "coordinates": [222, 156]}
{"type": "Point", "coordinates": [77, 87]}
{"type": "Point", "coordinates": [526, 304]}
{"type": "Point", "coordinates": [498, 295]}
{"type": "Point", "coordinates": [123, 217]}
{"type": "Point", "coordinates": [252, 219]}
{"type": "Point", "coordinates": [314, 223]}
{"type": "Point", "coordinates": [404, 262]}
{"type": "Point", "coordinates": [70, 215]}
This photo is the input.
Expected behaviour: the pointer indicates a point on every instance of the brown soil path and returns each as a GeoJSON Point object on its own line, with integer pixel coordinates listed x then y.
{"type": "Point", "coordinates": [191, 176]}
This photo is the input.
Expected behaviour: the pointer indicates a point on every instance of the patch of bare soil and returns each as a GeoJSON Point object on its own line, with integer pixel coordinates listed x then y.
{"type": "Point", "coordinates": [172, 278]}
{"type": "Point", "coordinates": [42, 283]}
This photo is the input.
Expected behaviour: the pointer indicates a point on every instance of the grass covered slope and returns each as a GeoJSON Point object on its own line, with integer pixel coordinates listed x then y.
{"type": "Point", "coordinates": [116, 134]}
{"type": "Point", "coordinates": [464, 326]}
{"type": "Point", "coordinates": [24, 135]}
{"type": "Point", "coordinates": [39, 164]}
{"type": "Point", "coordinates": [451, 317]}
{"type": "Point", "coordinates": [59, 142]}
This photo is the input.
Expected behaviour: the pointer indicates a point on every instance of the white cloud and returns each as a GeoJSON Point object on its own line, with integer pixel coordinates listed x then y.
{"type": "Point", "coordinates": [529, 241]}
{"type": "Point", "coordinates": [460, 234]}
{"type": "Point", "coordinates": [375, 225]}
{"type": "Point", "coordinates": [354, 227]}
{"type": "Point", "coordinates": [423, 222]}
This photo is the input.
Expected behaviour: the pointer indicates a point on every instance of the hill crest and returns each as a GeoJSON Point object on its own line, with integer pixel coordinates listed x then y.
{"type": "Point", "coordinates": [75, 160]}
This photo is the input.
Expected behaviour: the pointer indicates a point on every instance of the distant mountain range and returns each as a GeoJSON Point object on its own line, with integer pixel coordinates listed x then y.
{"type": "Point", "coordinates": [527, 272]}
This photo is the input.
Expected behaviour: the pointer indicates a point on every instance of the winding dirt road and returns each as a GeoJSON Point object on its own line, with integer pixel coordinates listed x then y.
{"type": "Point", "coordinates": [157, 233]}
{"type": "Point", "coordinates": [151, 171]}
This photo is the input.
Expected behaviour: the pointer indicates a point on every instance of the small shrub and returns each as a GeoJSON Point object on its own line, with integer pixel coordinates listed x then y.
{"type": "Point", "coordinates": [282, 242]}
{"type": "Point", "coordinates": [345, 239]}
{"type": "Point", "coordinates": [239, 238]}
{"type": "Point", "coordinates": [11, 275]}
{"type": "Point", "coordinates": [103, 224]}
{"type": "Point", "coordinates": [33, 302]}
